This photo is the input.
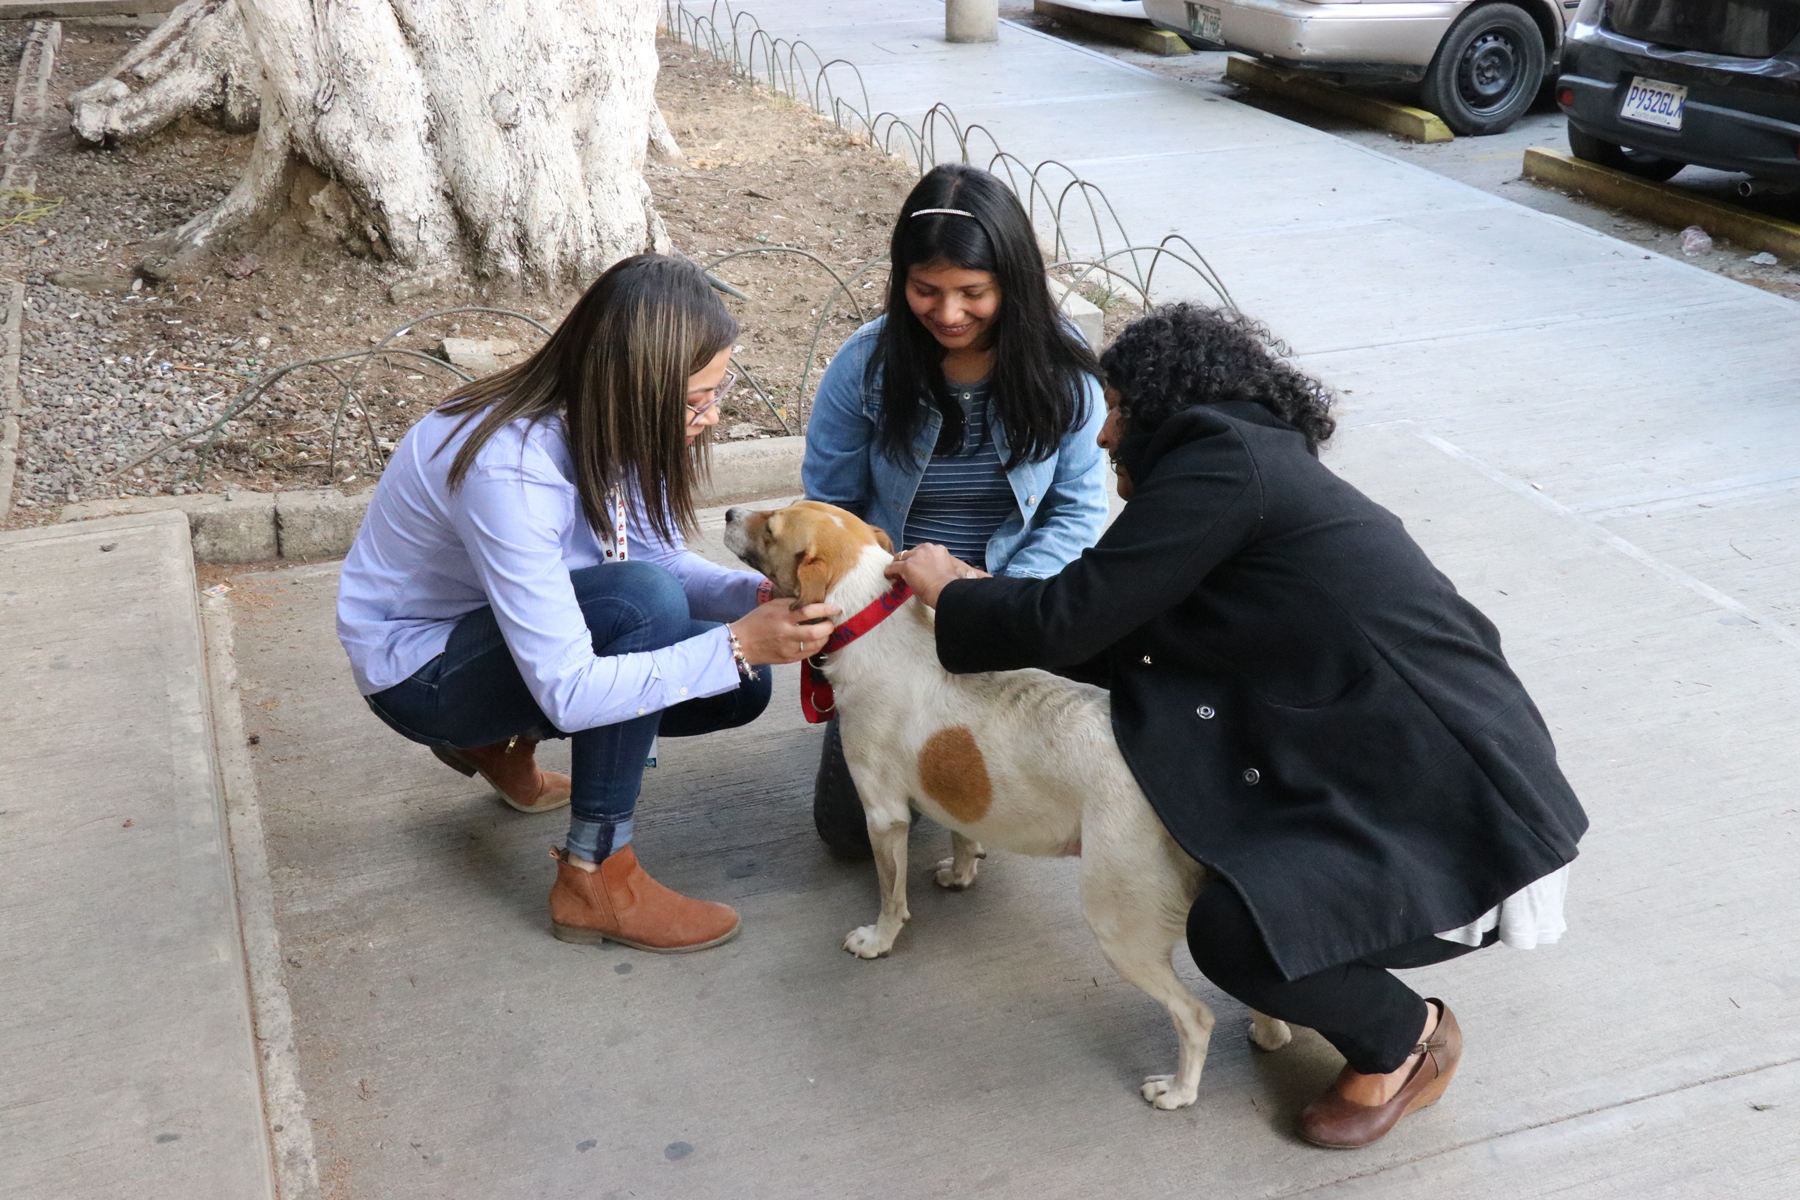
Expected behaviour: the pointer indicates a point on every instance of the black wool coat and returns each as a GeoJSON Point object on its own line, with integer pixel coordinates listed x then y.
{"type": "Point", "coordinates": [1314, 712]}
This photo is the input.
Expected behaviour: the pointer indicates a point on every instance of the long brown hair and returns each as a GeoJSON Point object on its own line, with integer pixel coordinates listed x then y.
{"type": "Point", "coordinates": [616, 372]}
{"type": "Point", "coordinates": [1041, 366]}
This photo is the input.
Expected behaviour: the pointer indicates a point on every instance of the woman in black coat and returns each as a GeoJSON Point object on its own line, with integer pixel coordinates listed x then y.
{"type": "Point", "coordinates": [1314, 712]}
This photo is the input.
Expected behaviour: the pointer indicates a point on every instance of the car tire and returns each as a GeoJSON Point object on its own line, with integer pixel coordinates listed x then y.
{"type": "Point", "coordinates": [1643, 164]}
{"type": "Point", "coordinates": [1486, 71]}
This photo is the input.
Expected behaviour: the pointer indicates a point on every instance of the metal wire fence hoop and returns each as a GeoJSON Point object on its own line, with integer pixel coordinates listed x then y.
{"type": "Point", "coordinates": [783, 64]}
{"type": "Point", "coordinates": [761, 394]}
{"type": "Point", "coordinates": [259, 388]}
{"type": "Point", "coordinates": [337, 417]}
{"type": "Point", "coordinates": [1142, 281]}
{"type": "Point", "coordinates": [252, 392]}
{"type": "Point", "coordinates": [812, 349]}
{"type": "Point", "coordinates": [827, 267]}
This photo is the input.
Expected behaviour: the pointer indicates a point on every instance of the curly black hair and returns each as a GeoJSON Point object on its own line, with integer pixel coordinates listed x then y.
{"type": "Point", "coordinates": [1178, 355]}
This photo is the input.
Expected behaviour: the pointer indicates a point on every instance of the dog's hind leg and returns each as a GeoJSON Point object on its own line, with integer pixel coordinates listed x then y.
{"type": "Point", "coordinates": [958, 871]}
{"type": "Point", "coordinates": [887, 836]}
{"type": "Point", "coordinates": [1135, 891]}
{"type": "Point", "coordinates": [1268, 1033]}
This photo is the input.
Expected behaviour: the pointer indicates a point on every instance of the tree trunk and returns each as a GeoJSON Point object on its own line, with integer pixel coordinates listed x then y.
{"type": "Point", "coordinates": [499, 137]}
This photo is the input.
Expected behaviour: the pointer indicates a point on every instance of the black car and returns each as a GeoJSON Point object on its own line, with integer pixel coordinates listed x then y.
{"type": "Point", "coordinates": [1650, 86]}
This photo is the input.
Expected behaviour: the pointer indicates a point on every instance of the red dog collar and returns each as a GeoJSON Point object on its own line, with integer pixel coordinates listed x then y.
{"type": "Point", "coordinates": [817, 700]}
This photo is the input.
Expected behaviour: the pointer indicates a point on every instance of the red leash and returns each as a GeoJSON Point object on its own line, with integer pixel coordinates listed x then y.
{"type": "Point", "coordinates": [817, 701]}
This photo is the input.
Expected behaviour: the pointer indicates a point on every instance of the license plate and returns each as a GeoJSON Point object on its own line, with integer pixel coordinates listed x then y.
{"type": "Point", "coordinates": [1652, 102]}
{"type": "Point", "coordinates": [1207, 24]}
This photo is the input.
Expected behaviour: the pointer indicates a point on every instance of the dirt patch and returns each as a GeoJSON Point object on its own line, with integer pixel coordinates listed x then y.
{"type": "Point", "coordinates": [114, 366]}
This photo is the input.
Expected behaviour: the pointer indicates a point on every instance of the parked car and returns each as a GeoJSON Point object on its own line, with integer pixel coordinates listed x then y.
{"type": "Point", "coordinates": [1479, 64]}
{"type": "Point", "coordinates": [1130, 10]}
{"type": "Point", "coordinates": [1650, 86]}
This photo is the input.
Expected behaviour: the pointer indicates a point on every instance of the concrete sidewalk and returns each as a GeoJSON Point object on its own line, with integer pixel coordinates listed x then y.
{"type": "Point", "coordinates": [127, 1066]}
{"type": "Point", "coordinates": [449, 1046]}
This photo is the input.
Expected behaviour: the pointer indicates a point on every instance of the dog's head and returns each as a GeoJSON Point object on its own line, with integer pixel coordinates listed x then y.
{"type": "Point", "coordinates": [806, 548]}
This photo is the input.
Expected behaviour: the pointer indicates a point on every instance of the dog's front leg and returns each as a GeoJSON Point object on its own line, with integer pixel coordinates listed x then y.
{"type": "Point", "coordinates": [888, 838]}
{"type": "Point", "coordinates": [958, 871]}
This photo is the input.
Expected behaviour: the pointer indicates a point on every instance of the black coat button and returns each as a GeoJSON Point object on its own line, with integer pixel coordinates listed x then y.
{"type": "Point", "coordinates": [1252, 776]}
{"type": "Point", "coordinates": [1205, 712]}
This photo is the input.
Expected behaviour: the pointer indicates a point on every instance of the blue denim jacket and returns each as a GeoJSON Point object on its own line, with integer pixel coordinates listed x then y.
{"type": "Point", "coordinates": [1062, 500]}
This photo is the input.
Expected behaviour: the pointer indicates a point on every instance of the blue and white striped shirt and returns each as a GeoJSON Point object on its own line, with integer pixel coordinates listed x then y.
{"type": "Point", "coordinates": [964, 496]}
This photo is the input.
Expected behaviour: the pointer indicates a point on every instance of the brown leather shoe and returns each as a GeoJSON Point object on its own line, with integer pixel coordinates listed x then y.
{"type": "Point", "coordinates": [511, 767]}
{"type": "Point", "coordinates": [1339, 1124]}
{"type": "Point", "coordinates": [617, 901]}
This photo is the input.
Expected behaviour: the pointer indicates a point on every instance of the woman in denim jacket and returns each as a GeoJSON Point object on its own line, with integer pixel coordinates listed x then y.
{"type": "Point", "coordinates": [993, 453]}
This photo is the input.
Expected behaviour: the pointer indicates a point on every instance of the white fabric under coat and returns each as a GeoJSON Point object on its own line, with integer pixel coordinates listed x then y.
{"type": "Point", "coordinates": [1528, 918]}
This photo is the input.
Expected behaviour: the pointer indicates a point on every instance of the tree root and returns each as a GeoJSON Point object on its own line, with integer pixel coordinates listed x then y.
{"type": "Point", "coordinates": [196, 62]}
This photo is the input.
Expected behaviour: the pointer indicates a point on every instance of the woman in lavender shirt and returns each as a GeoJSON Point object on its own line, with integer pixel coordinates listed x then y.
{"type": "Point", "coordinates": [521, 575]}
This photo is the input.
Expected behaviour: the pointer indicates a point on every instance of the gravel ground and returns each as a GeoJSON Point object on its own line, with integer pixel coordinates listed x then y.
{"type": "Point", "coordinates": [113, 366]}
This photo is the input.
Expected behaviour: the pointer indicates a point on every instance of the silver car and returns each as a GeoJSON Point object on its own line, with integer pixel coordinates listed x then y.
{"type": "Point", "coordinates": [1479, 64]}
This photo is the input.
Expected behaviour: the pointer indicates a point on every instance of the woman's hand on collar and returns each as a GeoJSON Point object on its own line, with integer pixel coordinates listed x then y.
{"type": "Point", "coordinates": [927, 568]}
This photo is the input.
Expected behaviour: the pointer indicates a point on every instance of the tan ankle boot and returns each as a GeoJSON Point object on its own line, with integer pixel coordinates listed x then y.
{"type": "Point", "coordinates": [511, 767]}
{"type": "Point", "coordinates": [617, 901]}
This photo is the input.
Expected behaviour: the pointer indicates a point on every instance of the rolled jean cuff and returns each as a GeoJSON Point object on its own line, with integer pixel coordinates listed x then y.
{"type": "Point", "coordinates": [594, 840]}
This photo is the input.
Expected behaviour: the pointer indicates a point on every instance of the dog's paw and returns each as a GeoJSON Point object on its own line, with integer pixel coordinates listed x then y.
{"type": "Point", "coordinates": [949, 877]}
{"type": "Point", "coordinates": [1267, 1033]}
{"type": "Point", "coordinates": [867, 942]}
{"type": "Point", "coordinates": [1161, 1091]}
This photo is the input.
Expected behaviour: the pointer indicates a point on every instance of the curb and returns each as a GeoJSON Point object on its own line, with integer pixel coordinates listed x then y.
{"type": "Point", "coordinates": [10, 396]}
{"type": "Point", "coordinates": [9, 462]}
{"type": "Point", "coordinates": [1659, 202]}
{"type": "Point", "coordinates": [1135, 34]}
{"type": "Point", "coordinates": [241, 527]}
{"type": "Point", "coordinates": [1408, 122]}
{"type": "Point", "coordinates": [284, 1100]}
{"type": "Point", "coordinates": [29, 102]}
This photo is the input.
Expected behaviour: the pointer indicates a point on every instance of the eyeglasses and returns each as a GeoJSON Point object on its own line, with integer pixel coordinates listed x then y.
{"type": "Point", "coordinates": [696, 411]}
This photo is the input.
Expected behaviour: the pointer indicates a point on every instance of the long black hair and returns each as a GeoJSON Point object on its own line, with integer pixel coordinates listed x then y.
{"type": "Point", "coordinates": [1178, 355]}
{"type": "Point", "coordinates": [1037, 384]}
{"type": "Point", "coordinates": [616, 370]}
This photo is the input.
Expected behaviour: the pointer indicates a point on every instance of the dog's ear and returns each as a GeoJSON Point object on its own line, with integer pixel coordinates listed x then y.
{"type": "Point", "coordinates": [882, 539]}
{"type": "Point", "coordinates": [814, 575]}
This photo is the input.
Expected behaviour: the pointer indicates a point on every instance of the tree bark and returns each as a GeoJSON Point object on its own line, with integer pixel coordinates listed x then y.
{"type": "Point", "coordinates": [498, 137]}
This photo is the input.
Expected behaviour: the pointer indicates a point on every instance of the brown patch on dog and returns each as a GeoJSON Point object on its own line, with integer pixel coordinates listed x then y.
{"type": "Point", "coordinates": [955, 775]}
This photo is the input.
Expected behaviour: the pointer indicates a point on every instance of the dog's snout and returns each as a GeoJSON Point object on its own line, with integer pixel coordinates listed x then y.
{"type": "Point", "coordinates": [735, 514]}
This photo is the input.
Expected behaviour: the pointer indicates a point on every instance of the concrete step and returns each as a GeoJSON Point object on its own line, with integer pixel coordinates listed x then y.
{"type": "Point", "coordinates": [130, 1066]}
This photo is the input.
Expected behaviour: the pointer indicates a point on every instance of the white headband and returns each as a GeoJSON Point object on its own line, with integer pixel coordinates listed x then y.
{"type": "Point", "coordinates": [949, 212]}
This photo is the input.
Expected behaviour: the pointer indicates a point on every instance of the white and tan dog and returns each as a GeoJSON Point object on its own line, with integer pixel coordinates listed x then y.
{"type": "Point", "coordinates": [1020, 760]}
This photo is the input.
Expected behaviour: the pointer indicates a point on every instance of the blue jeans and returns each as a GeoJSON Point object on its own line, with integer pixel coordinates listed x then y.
{"type": "Point", "coordinates": [473, 695]}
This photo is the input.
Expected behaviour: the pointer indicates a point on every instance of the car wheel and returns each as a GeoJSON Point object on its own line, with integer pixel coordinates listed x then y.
{"type": "Point", "coordinates": [1486, 70]}
{"type": "Point", "coordinates": [1644, 165]}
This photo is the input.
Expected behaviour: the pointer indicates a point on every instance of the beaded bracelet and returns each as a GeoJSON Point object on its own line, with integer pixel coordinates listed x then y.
{"type": "Point", "coordinates": [737, 655]}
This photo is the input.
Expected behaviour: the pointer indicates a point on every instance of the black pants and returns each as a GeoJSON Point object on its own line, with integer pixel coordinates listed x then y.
{"type": "Point", "coordinates": [1368, 1015]}
{"type": "Point", "coordinates": [837, 809]}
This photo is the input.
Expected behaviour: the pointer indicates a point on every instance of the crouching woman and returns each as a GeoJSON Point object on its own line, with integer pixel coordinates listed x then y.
{"type": "Point", "coordinates": [521, 575]}
{"type": "Point", "coordinates": [1313, 711]}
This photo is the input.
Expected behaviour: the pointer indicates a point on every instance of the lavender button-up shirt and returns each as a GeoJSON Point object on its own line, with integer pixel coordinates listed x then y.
{"type": "Point", "coordinates": [508, 537]}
